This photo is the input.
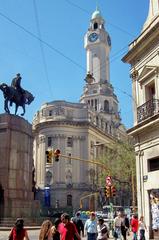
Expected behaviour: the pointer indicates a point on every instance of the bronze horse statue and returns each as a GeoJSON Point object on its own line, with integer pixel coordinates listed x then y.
{"type": "Point", "coordinates": [11, 95]}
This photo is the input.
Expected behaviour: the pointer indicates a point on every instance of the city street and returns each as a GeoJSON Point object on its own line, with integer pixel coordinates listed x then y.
{"type": "Point", "coordinates": [33, 235]}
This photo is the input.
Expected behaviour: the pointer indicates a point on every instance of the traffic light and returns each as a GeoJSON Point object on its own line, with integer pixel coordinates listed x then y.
{"type": "Point", "coordinates": [108, 191]}
{"type": "Point", "coordinates": [49, 155]}
{"type": "Point", "coordinates": [113, 191]}
{"type": "Point", "coordinates": [57, 154]}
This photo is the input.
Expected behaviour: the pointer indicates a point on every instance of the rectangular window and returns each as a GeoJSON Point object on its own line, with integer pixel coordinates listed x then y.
{"type": "Point", "coordinates": [49, 141]}
{"type": "Point", "coordinates": [153, 164]}
{"type": "Point", "coordinates": [150, 91]}
{"type": "Point", "coordinates": [69, 142]}
{"type": "Point", "coordinates": [50, 112]}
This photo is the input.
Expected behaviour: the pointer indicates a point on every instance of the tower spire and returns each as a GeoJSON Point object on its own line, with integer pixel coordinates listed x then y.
{"type": "Point", "coordinates": [153, 12]}
{"type": "Point", "coordinates": [97, 6]}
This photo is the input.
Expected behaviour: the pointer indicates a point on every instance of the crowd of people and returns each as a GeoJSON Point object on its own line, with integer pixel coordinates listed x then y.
{"type": "Point", "coordinates": [123, 225]}
{"type": "Point", "coordinates": [65, 228]}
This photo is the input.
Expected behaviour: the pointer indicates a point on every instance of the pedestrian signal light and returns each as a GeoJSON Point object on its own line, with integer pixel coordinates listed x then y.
{"type": "Point", "coordinates": [49, 154]}
{"type": "Point", "coordinates": [108, 191]}
{"type": "Point", "coordinates": [113, 191]}
{"type": "Point", "coordinates": [57, 153]}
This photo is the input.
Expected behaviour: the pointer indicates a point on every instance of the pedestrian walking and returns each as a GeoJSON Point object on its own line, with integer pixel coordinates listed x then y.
{"type": "Point", "coordinates": [18, 232]}
{"type": "Point", "coordinates": [67, 229]}
{"type": "Point", "coordinates": [54, 229]}
{"type": "Point", "coordinates": [102, 230]}
{"type": "Point", "coordinates": [90, 227]}
{"type": "Point", "coordinates": [142, 228]}
{"type": "Point", "coordinates": [124, 226]}
{"type": "Point", "coordinates": [134, 226]}
{"type": "Point", "coordinates": [79, 224]}
{"type": "Point", "coordinates": [45, 230]}
{"type": "Point", "coordinates": [117, 226]}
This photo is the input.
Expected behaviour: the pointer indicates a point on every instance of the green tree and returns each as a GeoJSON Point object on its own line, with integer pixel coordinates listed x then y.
{"type": "Point", "coordinates": [119, 159]}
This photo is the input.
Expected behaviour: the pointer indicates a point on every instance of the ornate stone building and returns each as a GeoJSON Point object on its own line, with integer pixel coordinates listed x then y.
{"type": "Point", "coordinates": [79, 129]}
{"type": "Point", "coordinates": [143, 55]}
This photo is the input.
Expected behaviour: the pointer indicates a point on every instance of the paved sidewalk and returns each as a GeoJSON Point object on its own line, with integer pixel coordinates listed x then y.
{"type": "Point", "coordinates": [33, 233]}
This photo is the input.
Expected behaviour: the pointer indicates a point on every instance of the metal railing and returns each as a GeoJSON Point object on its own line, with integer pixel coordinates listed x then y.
{"type": "Point", "coordinates": [148, 109]}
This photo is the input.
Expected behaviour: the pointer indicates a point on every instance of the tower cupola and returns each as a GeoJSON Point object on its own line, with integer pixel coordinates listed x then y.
{"type": "Point", "coordinates": [96, 14]}
{"type": "Point", "coordinates": [97, 21]}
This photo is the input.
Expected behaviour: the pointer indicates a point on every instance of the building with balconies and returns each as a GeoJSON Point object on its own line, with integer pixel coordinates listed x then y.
{"type": "Point", "coordinates": [143, 56]}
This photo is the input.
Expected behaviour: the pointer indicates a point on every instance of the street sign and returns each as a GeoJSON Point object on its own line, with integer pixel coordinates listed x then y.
{"type": "Point", "coordinates": [108, 180]}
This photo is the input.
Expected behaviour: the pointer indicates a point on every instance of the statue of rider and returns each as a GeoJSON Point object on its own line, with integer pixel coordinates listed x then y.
{"type": "Point", "coordinates": [16, 84]}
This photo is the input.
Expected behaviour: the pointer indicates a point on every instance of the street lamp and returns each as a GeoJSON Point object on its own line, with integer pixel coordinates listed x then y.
{"type": "Point", "coordinates": [89, 78]}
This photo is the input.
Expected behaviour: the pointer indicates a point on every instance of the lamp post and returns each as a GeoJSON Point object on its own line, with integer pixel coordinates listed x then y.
{"type": "Point", "coordinates": [89, 78]}
{"type": "Point", "coordinates": [133, 190]}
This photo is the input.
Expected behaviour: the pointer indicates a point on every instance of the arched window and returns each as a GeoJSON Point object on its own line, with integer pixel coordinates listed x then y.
{"type": "Point", "coordinates": [95, 104]}
{"type": "Point", "coordinates": [106, 106]}
{"type": "Point", "coordinates": [69, 200]}
{"type": "Point", "coordinates": [106, 127]}
{"type": "Point", "coordinates": [101, 123]}
{"type": "Point", "coordinates": [97, 121]}
{"type": "Point", "coordinates": [95, 26]}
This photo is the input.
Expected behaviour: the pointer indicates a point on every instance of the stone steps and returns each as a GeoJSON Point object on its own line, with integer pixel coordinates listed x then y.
{"type": "Point", "coordinates": [9, 222]}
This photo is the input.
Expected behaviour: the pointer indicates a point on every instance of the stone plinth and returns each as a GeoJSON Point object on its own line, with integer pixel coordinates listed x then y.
{"type": "Point", "coordinates": [16, 164]}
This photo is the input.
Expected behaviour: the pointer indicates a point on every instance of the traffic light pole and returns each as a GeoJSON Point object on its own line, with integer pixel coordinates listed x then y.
{"type": "Point", "coordinates": [86, 196]}
{"type": "Point", "coordinates": [86, 161]}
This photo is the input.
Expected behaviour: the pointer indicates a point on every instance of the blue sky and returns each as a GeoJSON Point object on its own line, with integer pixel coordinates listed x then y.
{"type": "Point", "coordinates": [55, 67]}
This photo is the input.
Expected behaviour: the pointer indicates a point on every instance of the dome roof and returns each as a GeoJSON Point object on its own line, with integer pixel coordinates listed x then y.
{"type": "Point", "coordinates": [96, 14]}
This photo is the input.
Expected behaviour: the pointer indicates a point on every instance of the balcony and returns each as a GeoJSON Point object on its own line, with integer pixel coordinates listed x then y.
{"type": "Point", "coordinates": [148, 109]}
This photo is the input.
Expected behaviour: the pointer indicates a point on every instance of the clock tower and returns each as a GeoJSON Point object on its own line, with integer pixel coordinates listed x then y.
{"type": "Point", "coordinates": [97, 43]}
{"type": "Point", "coordinates": [98, 92]}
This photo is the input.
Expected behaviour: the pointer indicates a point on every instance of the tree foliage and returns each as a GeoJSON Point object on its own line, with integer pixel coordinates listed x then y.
{"type": "Point", "coordinates": [119, 159]}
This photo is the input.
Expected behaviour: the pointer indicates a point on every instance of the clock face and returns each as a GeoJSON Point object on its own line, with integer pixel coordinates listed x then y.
{"type": "Point", "coordinates": [93, 37]}
{"type": "Point", "coordinates": [109, 40]}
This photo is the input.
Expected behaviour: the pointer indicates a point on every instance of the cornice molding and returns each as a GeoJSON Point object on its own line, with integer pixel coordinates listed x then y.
{"type": "Point", "coordinates": [140, 44]}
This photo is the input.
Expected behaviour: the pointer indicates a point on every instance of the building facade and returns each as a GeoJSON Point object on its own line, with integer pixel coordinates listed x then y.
{"type": "Point", "coordinates": [143, 55]}
{"type": "Point", "coordinates": [79, 130]}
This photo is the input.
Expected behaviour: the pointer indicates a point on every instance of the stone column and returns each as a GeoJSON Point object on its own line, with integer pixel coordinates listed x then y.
{"type": "Point", "coordinates": [41, 162]}
{"type": "Point", "coordinates": [134, 76]}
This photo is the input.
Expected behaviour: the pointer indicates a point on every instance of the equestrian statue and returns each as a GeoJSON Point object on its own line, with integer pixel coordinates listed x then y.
{"type": "Point", "coordinates": [15, 94]}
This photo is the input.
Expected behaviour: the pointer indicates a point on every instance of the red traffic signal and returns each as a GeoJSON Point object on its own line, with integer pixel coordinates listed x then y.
{"type": "Point", "coordinates": [57, 153]}
{"type": "Point", "coordinates": [113, 191]}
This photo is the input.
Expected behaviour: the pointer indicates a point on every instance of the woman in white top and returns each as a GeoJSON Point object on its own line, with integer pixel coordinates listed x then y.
{"type": "Point", "coordinates": [102, 230]}
{"type": "Point", "coordinates": [142, 228]}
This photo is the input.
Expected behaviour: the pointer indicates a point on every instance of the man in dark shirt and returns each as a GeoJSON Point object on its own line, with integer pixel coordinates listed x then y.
{"type": "Point", "coordinates": [79, 224]}
{"type": "Point", "coordinates": [124, 226]}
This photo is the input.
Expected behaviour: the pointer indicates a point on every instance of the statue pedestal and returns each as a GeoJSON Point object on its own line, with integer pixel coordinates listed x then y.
{"type": "Point", "coordinates": [16, 158]}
